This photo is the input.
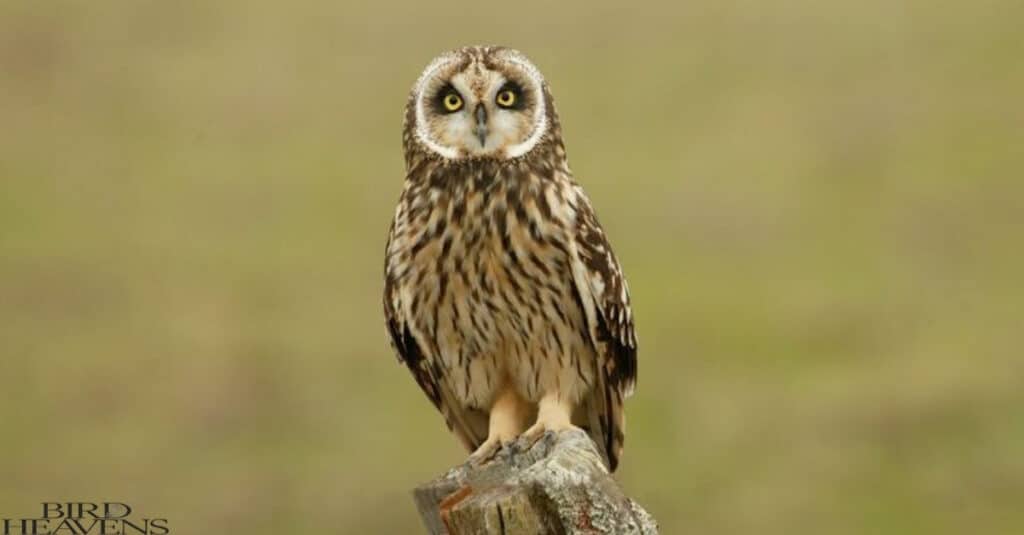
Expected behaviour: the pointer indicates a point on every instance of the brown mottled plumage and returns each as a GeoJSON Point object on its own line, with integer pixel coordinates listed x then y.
{"type": "Point", "coordinates": [502, 294]}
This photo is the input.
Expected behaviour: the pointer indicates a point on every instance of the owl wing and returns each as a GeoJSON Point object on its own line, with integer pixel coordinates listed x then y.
{"type": "Point", "coordinates": [469, 427]}
{"type": "Point", "coordinates": [605, 300]}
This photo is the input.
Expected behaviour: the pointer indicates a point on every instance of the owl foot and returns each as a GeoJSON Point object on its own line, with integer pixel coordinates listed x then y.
{"type": "Point", "coordinates": [507, 418]}
{"type": "Point", "coordinates": [539, 429]}
{"type": "Point", "coordinates": [486, 452]}
{"type": "Point", "coordinates": [553, 414]}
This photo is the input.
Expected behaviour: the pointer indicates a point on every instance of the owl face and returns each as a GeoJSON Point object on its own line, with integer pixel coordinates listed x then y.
{"type": "Point", "coordinates": [480, 102]}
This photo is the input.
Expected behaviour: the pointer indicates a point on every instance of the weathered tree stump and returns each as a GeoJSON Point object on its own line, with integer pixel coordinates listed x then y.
{"type": "Point", "coordinates": [559, 485]}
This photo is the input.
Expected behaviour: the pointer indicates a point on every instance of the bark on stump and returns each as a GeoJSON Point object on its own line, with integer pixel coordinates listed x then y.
{"type": "Point", "coordinates": [559, 485]}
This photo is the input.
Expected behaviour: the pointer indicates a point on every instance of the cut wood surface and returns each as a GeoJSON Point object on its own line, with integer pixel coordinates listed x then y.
{"type": "Point", "coordinates": [559, 485]}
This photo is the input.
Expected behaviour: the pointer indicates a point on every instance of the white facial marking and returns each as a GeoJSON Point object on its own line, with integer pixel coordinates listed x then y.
{"type": "Point", "coordinates": [540, 116]}
{"type": "Point", "coordinates": [421, 120]}
{"type": "Point", "coordinates": [462, 124]}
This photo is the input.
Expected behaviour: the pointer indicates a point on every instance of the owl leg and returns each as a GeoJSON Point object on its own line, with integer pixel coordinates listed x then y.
{"type": "Point", "coordinates": [508, 417]}
{"type": "Point", "coordinates": [553, 414]}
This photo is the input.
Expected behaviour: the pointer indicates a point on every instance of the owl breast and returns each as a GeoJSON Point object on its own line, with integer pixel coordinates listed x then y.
{"type": "Point", "coordinates": [485, 274]}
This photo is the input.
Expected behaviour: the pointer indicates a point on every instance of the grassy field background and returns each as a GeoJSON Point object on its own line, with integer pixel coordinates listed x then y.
{"type": "Point", "coordinates": [819, 206]}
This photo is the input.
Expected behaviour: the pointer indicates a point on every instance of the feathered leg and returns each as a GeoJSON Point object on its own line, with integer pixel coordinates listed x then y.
{"type": "Point", "coordinates": [553, 414]}
{"type": "Point", "coordinates": [508, 417]}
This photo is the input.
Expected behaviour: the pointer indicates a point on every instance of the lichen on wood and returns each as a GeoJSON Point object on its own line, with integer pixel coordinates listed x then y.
{"type": "Point", "coordinates": [558, 485]}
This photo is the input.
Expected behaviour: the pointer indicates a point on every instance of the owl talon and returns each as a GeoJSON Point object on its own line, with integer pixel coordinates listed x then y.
{"type": "Point", "coordinates": [533, 435]}
{"type": "Point", "coordinates": [553, 415]}
{"type": "Point", "coordinates": [486, 452]}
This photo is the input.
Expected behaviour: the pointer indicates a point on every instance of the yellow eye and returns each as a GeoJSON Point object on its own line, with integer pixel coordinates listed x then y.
{"type": "Point", "coordinates": [506, 98]}
{"type": "Point", "coordinates": [452, 102]}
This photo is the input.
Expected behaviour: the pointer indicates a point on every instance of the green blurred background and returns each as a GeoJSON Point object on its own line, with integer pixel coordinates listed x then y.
{"type": "Point", "coordinates": [818, 206]}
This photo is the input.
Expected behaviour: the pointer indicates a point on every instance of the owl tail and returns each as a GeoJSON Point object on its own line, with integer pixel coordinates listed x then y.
{"type": "Point", "coordinates": [605, 421]}
{"type": "Point", "coordinates": [615, 434]}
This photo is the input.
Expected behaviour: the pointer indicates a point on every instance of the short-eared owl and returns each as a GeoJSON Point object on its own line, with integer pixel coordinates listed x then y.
{"type": "Point", "coordinates": [501, 293]}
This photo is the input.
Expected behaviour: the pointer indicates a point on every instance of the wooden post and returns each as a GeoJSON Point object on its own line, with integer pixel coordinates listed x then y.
{"type": "Point", "coordinates": [559, 485]}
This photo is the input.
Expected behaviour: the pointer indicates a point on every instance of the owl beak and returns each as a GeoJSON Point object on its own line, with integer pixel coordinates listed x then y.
{"type": "Point", "coordinates": [481, 124]}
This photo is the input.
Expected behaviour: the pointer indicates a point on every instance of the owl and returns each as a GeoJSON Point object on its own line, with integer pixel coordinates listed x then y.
{"type": "Point", "coordinates": [502, 295]}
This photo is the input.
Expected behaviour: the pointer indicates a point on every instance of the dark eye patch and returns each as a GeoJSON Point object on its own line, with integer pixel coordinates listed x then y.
{"type": "Point", "coordinates": [517, 90]}
{"type": "Point", "coordinates": [438, 101]}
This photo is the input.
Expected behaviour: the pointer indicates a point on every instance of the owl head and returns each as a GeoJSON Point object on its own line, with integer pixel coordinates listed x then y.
{"type": "Point", "coordinates": [478, 102]}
